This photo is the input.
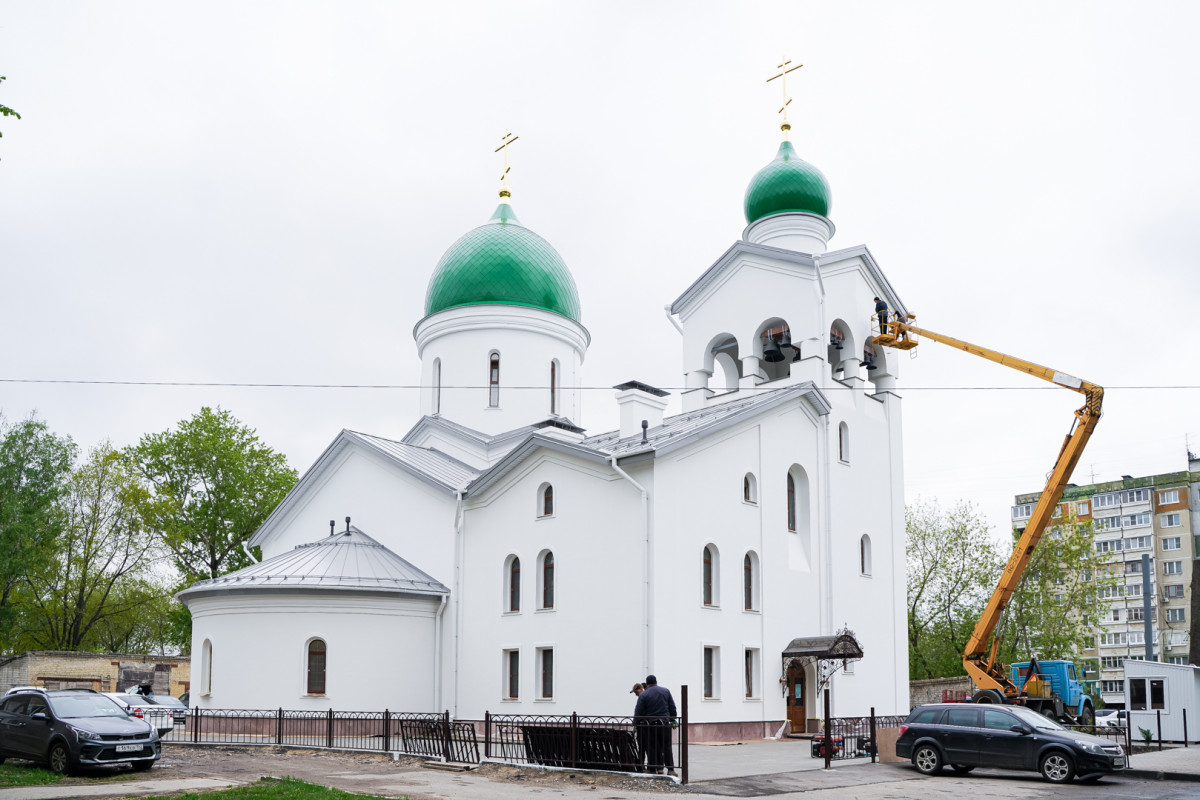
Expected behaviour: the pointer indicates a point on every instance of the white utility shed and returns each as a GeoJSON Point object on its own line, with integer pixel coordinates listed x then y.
{"type": "Point", "coordinates": [1173, 689]}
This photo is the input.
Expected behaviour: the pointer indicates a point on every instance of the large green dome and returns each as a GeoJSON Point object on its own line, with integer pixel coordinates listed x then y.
{"type": "Point", "coordinates": [788, 183]}
{"type": "Point", "coordinates": [502, 263]}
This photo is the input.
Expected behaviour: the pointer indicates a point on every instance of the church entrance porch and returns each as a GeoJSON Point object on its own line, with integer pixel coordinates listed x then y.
{"type": "Point", "coordinates": [826, 655]}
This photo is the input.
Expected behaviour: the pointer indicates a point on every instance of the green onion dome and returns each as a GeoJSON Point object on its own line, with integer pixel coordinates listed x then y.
{"type": "Point", "coordinates": [788, 183]}
{"type": "Point", "coordinates": [503, 263]}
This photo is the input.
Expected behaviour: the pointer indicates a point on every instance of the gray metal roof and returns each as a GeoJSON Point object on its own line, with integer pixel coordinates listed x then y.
{"type": "Point", "coordinates": [346, 561]}
{"type": "Point", "coordinates": [433, 464]}
{"type": "Point", "coordinates": [684, 427]}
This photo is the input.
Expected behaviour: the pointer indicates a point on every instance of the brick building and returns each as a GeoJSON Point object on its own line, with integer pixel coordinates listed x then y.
{"type": "Point", "coordinates": [104, 672]}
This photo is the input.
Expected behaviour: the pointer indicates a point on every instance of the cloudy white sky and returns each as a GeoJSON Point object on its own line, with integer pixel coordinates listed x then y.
{"type": "Point", "coordinates": [257, 193]}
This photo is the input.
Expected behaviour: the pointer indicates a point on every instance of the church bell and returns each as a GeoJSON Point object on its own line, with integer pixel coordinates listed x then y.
{"type": "Point", "coordinates": [771, 351]}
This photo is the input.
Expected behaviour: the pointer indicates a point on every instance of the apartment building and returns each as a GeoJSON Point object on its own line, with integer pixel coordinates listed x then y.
{"type": "Point", "coordinates": [1157, 515]}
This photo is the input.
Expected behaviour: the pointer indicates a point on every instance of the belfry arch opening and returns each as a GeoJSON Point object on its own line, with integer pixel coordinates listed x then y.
{"type": "Point", "coordinates": [725, 363]}
{"type": "Point", "coordinates": [773, 346]}
{"type": "Point", "coordinates": [840, 347]}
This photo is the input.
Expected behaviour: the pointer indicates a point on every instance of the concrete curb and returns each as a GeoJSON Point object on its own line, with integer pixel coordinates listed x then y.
{"type": "Point", "coordinates": [1161, 775]}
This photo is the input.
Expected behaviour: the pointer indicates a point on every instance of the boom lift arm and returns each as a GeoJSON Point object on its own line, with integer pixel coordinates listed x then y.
{"type": "Point", "coordinates": [979, 656]}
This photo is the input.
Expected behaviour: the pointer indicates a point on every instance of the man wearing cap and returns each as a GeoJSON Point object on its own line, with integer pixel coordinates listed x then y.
{"type": "Point", "coordinates": [655, 709]}
{"type": "Point", "coordinates": [640, 729]}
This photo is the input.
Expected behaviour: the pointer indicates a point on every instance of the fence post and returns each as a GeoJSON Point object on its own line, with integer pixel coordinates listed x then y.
{"type": "Point", "coordinates": [196, 724]}
{"type": "Point", "coordinates": [1128, 738]}
{"type": "Point", "coordinates": [279, 726]}
{"type": "Point", "coordinates": [487, 734]}
{"type": "Point", "coordinates": [574, 739]}
{"type": "Point", "coordinates": [1158, 714]}
{"type": "Point", "coordinates": [329, 729]}
{"type": "Point", "coordinates": [1185, 727]}
{"type": "Point", "coordinates": [446, 735]}
{"type": "Point", "coordinates": [387, 730]}
{"type": "Point", "coordinates": [828, 740]}
{"type": "Point", "coordinates": [874, 748]}
{"type": "Point", "coordinates": [683, 735]}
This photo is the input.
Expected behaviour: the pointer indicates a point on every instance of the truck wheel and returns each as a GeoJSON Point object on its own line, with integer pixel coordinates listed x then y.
{"type": "Point", "coordinates": [988, 696]}
{"type": "Point", "coordinates": [1057, 767]}
{"type": "Point", "coordinates": [927, 759]}
{"type": "Point", "coordinates": [1048, 713]}
{"type": "Point", "coordinates": [1088, 717]}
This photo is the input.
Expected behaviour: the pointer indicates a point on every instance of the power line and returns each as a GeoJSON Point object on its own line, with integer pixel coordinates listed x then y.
{"type": "Point", "coordinates": [257, 385]}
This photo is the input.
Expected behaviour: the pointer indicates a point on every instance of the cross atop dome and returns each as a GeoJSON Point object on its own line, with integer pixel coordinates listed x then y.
{"type": "Point", "coordinates": [505, 140]}
{"type": "Point", "coordinates": [784, 68]}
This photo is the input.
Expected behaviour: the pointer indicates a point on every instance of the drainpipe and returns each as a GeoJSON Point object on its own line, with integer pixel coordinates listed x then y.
{"type": "Point", "coordinates": [246, 547]}
{"type": "Point", "coordinates": [437, 652]}
{"type": "Point", "coordinates": [645, 564]}
{"type": "Point", "coordinates": [671, 318]}
{"type": "Point", "coordinates": [458, 605]}
{"type": "Point", "coordinates": [827, 514]}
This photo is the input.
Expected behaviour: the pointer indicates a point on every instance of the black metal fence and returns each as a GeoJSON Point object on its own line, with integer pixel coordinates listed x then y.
{"type": "Point", "coordinates": [623, 744]}
{"type": "Point", "coordinates": [851, 737]}
{"type": "Point", "coordinates": [430, 735]}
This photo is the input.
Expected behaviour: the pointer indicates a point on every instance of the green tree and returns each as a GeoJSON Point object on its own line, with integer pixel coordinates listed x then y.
{"type": "Point", "coordinates": [1058, 606]}
{"type": "Point", "coordinates": [5, 111]}
{"type": "Point", "coordinates": [34, 467]}
{"type": "Point", "coordinates": [212, 483]}
{"type": "Point", "coordinates": [101, 575]}
{"type": "Point", "coordinates": [953, 564]}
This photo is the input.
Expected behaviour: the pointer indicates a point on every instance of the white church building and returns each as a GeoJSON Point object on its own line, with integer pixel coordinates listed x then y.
{"type": "Point", "coordinates": [500, 558]}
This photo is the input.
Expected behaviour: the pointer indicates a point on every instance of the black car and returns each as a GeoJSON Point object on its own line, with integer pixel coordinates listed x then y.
{"type": "Point", "coordinates": [967, 735]}
{"type": "Point", "coordinates": [68, 728]}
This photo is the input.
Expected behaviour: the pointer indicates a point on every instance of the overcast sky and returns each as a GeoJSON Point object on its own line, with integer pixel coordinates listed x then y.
{"type": "Point", "coordinates": [258, 192]}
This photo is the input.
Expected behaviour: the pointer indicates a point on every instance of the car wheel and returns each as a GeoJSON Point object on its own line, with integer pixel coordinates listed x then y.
{"type": "Point", "coordinates": [927, 759]}
{"type": "Point", "coordinates": [60, 759]}
{"type": "Point", "coordinates": [142, 766]}
{"type": "Point", "coordinates": [962, 769]}
{"type": "Point", "coordinates": [1057, 767]}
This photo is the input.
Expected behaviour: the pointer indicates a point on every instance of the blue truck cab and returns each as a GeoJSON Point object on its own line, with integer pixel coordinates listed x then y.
{"type": "Point", "coordinates": [1053, 688]}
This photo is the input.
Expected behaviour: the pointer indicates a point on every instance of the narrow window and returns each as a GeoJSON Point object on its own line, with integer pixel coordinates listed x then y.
{"type": "Point", "coordinates": [494, 381]}
{"type": "Point", "coordinates": [547, 501]}
{"type": "Point", "coordinates": [437, 386]}
{"type": "Point", "coordinates": [512, 668]}
{"type": "Point", "coordinates": [748, 583]}
{"type": "Point", "coordinates": [316, 667]}
{"type": "Point", "coordinates": [553, 387]}
{"type": "Point", "coordinates": [548, 581]}
{"type": "Point", "coordinates": [710, 672]}
{"type": "Point", "coordinates": [206, 661]}
{"type": "Point", "coordinates": [791, 503]}
{"type": "Point", "coordinates": [864, 555]}
{"type": "Point", "coordinates": [749, 673]}
{"type": "Point", "coordinates": [707, 576]}
{"type": "Point", "coordinates": [547, 667]}
{"type": "Point", "coordinates": [750, 488]}
{"type": "Point", "coordinates": [514, 585]}
{"type": "Point", "coordinates": [746, 488]}
{"type": "Point", "coordinates": [843, 442]}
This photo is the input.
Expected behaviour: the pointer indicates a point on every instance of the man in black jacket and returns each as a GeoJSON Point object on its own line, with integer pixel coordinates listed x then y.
{"type": "Point", "coordinates": [656, 709]}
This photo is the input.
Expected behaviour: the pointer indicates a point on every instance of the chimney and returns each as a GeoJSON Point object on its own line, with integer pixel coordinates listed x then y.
{"type": "Point", "coordinates": [638, 402]}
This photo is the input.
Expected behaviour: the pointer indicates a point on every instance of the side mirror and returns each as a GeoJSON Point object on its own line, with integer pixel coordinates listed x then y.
{"type": "Point", "coordinates": [39, 715]}
{"type": "Point", "coordinates": [1019, 729]}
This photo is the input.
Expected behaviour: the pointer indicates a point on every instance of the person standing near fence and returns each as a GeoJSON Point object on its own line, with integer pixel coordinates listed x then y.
{"type": "Point", "coordinates": [640, 728]}
{"type": "Point", "coordinates": [656, 710]}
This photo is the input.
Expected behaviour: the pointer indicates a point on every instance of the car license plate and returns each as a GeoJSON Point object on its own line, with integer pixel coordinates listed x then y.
{"type": "Point", "coordinates": [129, 748]}
{"type": "Point", "coordinates": [1119, 761]}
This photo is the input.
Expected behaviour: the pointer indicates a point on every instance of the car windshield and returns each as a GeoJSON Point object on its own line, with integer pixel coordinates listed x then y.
{"type": "Point", "coordinates": [74, 706]}
{"type": "Point", "coordinates": [1035, 720]}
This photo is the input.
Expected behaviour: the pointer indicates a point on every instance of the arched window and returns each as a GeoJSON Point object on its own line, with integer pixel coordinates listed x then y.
{"type": "Point", "coordinates": [749, 488]}
{"type": "Point", "coordinates": [748, 582]}
{"type": "Point", "coordinates": [316, 667]}
{"type": "Point", "coordinates": [494, 381]}
{"type": "Point", "coordinates": [791, 503]}
{"type": "Point", "coordinates": [843, 442]}
{"type": "Point", "coordinates": [547, 580]}
{"type": "Point", "coordinates": [437, 386]}
{"type": "Point", "coordinates": [553, 387]}
{"type": "Point", "coordinates": [546, 501]}
{"type": "Point", "coordinates": [206, 656]}
{"type": "Point", "coordinates": [710, 576]}
{"type": "Point", "coordinates": [512, 585]}
{"type": "Point", "coordinates": [864, 554]}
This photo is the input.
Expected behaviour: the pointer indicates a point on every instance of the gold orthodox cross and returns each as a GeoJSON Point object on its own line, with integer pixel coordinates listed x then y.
{"type": "Point", "coordinates": [505, 140]}
{"type": "Point", "coordinates": [784, 69]}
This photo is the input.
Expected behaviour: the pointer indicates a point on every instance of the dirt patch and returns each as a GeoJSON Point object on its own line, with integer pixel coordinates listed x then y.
{"type": "Point", "coordinates": [597, 778]}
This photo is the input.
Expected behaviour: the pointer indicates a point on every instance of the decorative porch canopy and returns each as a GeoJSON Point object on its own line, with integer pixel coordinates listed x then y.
{"type": "Point", "coordinates": [827, 652]}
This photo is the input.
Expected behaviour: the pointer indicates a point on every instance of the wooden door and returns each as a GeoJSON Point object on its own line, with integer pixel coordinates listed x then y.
{"type": "Point", "coordinates": [796, 708]}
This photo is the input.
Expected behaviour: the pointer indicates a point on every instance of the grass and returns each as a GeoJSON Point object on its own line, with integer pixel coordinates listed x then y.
{"type": "Point", "coordinates": [26, 774]}
{"type": "Point", "coordinates": [275, 789]}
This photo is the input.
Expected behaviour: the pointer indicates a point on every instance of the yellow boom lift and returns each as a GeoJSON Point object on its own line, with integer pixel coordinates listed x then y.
{"type": "Point", "coordinates": [994, 680]}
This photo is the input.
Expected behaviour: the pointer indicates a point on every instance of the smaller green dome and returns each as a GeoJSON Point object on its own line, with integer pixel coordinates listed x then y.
{"type": "Point", "coordinates": [788, 183]}
{"type": "Point", "coordinates": [502, 263]}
